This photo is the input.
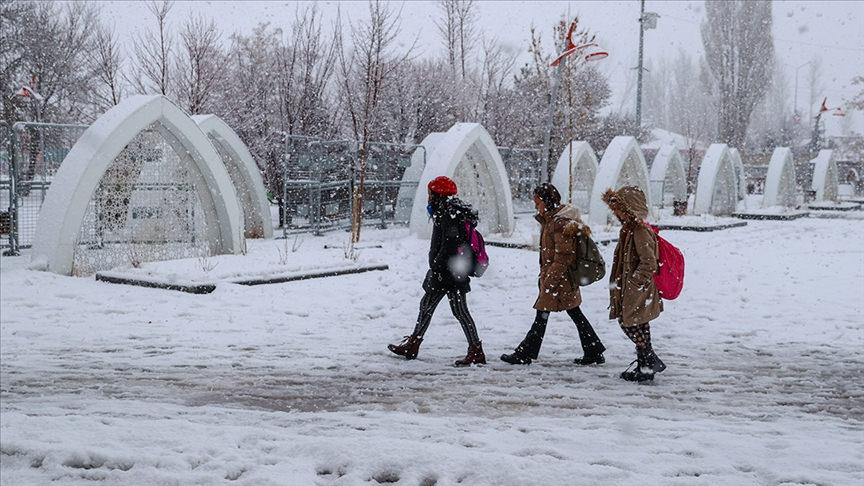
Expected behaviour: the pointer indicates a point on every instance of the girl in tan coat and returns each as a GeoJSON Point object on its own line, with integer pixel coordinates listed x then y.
{"type": "Point", "coordinates": [633, 297]}
{"type": "Point", "coordinates": [560, 225]}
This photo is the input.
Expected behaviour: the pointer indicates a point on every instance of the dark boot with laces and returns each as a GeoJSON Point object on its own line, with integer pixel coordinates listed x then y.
{"type": "Point", "coordinates": [641, 372]}
{"type": "Point", "coordinates": [407, 348]}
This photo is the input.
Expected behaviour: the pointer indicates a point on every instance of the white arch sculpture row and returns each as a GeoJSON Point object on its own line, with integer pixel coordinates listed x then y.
{"type": "Point", "coordinates": [79, 176]}
{"type": "Point", "coordinates": [467, 154]}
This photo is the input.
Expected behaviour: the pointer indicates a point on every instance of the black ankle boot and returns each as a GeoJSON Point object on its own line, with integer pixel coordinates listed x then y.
{"type": "Point", "coordinates": [641, 372]}
{"type": "Point", "coordinates": [590, 359]}
{"type": "Point", "coordinates": [527, 350]}
{"type": "Point", "coordinates": [591, 356]}
{"type": "Point", "coordinates": [515, 358]}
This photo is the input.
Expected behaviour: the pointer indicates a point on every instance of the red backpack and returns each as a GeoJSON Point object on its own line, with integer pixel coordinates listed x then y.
{"type": "Point", "coordinates": [669, 278]}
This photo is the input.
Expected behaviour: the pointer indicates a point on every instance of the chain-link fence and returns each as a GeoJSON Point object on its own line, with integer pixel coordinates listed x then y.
{"type": "Point", "coordinates": [31, 154]}
{"type": "Point", "coordinates": [523, 170]}
{"type": "Point", "coordinates": [319, 177]}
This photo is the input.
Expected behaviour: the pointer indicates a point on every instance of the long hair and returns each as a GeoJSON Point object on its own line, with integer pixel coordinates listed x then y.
{"type": "Point", "coordinates": [549, 195]}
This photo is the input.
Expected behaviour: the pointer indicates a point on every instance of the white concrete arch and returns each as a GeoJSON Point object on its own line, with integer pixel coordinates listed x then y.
{"type": "Point", "coordinates": [825, 180]}
{"type": "Point", "coordinates": [622, 165]}
{"type": "Point", "coordinates": [780, 180]}
{"type": "Point", "coordinates": [667, 171]}
{"type": "Point", "coordinates": [740, 174]}
{"type": "Point", "coordinates": [467, 154]}
{"type": "Point", "coordinates": [717, 186]}
{"type": "Point", "coordinates": [244, 174]}
{"type": "Point", "coordinates": [80, 173]}
{"type": "Point", "coordinates": [409, 189]}
{"type": "Point", "coordinates": [579, 161]}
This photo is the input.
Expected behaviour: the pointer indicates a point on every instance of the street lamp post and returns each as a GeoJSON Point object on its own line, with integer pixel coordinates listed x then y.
{"type": "Point", "coordinates": [591, 52]}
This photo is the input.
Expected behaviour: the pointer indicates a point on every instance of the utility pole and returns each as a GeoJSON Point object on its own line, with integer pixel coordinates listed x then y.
{"type": "Point", "coordinates": [647, 21]}
{"type": "Point", "coordinates": [639, 68]}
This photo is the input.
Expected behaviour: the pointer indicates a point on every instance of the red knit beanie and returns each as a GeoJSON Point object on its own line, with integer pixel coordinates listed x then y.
{"type": "Point", "coordinates": [442, 186]}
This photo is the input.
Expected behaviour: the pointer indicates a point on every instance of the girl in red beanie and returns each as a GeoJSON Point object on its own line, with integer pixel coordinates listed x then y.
{"type": "Point", "coordinates": [448, 270]}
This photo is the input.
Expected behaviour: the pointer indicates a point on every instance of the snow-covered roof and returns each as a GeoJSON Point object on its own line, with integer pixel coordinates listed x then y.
{"type": "Point", "coordinates": [660, 138]}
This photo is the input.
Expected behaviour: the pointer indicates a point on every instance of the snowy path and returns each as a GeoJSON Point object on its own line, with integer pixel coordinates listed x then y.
{"type": "Point", "coordinates": [140, 386]}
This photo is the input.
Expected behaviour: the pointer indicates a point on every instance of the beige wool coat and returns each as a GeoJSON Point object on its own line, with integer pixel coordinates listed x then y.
{"type": "Point", "coordinates": [558, 231]}
{"type": "Point", "coordinates": [633, 297]}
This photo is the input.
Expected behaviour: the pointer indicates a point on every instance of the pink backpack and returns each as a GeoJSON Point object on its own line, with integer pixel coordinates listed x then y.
{"type": "Point", "coordinates": [669, 278]}
{"type": "Point", "coordinates": [480, 259]}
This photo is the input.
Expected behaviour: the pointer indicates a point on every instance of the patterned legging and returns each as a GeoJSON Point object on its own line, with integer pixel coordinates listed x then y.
{"type": "Point", "coordinates": [458, 305]}
{"type": "Point", "coordinates": [640, 335]}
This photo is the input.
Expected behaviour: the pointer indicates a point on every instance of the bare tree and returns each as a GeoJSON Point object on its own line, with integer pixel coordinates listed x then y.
{"type": "Point", "coordinates": [199, 64]}
{"type": "Point", "coordinates": [447, 28]}
{"type": "Point", "coordinates": [364, 74]}
{"type": "Point", "coordinates": [466, 30]}
{"type": "Point", "coordinates": [305, 68]}
{"type": "Point", "coordinates": [739, 51]}
{"type": "Point", "coordinates": [44, 46]}
{"type": "Point", "coordinates": [458, 31]}
{"type": "Point", "coordinates": [153, 50]}
{"type": "Point", "coordinates": [107, 65]}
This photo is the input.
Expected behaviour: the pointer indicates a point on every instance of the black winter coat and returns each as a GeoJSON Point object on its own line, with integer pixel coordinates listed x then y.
{"type": "Point", "coordinates": [449, 250]}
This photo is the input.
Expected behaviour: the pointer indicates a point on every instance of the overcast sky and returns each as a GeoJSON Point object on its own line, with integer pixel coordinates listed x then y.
{"type": "Point", "coordinates": [831, 30]}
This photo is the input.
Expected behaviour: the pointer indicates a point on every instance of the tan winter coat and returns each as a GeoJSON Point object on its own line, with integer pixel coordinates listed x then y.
{"type": "Point", "coordinates": [633, 297]}
{"type": "Point", "coordinates": [558, 230]}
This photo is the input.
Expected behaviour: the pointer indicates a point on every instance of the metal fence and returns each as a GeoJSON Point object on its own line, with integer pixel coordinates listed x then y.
{"type": "Point", "coordinates": [319, 177]}
{"type": "Point", "coordinates": [523, 171]}
{"type": "Point", "coordinates": [30, 154]}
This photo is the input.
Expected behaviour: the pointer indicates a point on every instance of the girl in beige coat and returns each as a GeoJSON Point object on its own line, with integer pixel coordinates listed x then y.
{"type": "Point", "coordinates": [560, 226]}
{"type": "Point", "coordinates": [633, 297]}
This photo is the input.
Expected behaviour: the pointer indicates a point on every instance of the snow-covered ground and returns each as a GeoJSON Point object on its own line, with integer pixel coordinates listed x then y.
{"type": "Point", "coordinates": [292, 383]}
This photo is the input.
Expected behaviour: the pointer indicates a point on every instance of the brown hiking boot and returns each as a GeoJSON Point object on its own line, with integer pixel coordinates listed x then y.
{"type": "Point", "coordinates": [475, 356]}
{"type": "Point", "coordinates": [408, 347]}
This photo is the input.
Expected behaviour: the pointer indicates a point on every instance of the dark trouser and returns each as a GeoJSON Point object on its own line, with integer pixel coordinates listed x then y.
{"type": "Point", "coordinates": [458, 305]}
{"type": "Point", "coordinates": [591, 344]}
{"type": "Point", "coordinates": [640, 335]}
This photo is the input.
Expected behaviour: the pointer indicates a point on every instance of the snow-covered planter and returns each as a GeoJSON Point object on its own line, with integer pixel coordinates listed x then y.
{"type": "Point", "coordinates": [622, 165]}
{"type": "Point", "coordinates": [467, 154]}
{"type": "Point", "coordinates": [576, 168]}
{"type": "Point", "coordinates": [142, 183]}
{"type": "Point", "coordinates": [244, 174]}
